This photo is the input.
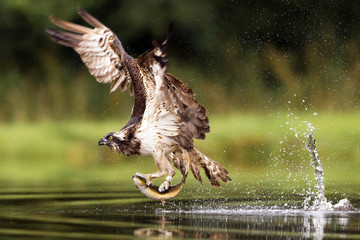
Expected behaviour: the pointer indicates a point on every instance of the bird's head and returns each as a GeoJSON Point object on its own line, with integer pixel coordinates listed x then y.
{"type": "Point", "coordinates": [114, 140]}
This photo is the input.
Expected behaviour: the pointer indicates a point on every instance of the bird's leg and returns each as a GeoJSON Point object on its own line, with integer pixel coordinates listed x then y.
{"type": "Point", "coordinates": [160, 162]}
{"type": "Point", "coordinates": [167, 183]}
{"type": "Point", "coordinates": [164, 166]}
{"type": "Point", "coordinates": [149, 176]}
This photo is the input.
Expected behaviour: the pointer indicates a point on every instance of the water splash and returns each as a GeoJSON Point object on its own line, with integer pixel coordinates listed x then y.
{"type": "Point", "coordinates": [320, 203]}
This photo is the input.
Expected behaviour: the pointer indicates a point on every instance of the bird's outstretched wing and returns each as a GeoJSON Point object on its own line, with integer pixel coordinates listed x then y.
{"type": "Point", "coordinates": [98, 47]}
{"type": "Point", "coordinates": [171, 107]}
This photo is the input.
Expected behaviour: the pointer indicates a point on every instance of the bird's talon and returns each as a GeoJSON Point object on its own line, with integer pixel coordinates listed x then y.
{"type": "Point", "coordinates": [149, 182]}
{"type": "Point", "coordinates": [164, 186]}
{"type": "Point", "coordinates": [147, 177]}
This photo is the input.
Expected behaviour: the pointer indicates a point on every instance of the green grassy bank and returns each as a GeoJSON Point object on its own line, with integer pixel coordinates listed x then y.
{"type": "Point", "coordinates": [264, 148]}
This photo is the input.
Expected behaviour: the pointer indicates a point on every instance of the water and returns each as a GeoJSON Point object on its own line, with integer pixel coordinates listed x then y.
{"type": "Point", "coordinates": [100, 212]}
{"type": "Point", "coordinates": [237, 211]}
{"type": "Point", "coordinates": [320, 202]}
{"type": "Point", "coordinates": [320, 199]}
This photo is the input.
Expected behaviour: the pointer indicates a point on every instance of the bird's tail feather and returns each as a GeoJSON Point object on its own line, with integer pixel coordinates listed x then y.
{"type": "Point", "coordinates": [213, 170]}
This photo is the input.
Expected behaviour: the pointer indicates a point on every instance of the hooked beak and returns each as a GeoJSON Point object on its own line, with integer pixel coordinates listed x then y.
{"type": "Point", "coordinates": [102, 141]}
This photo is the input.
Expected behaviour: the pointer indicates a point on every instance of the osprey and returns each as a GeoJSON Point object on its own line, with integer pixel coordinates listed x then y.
{"type": "Point", "coordinates": [165, 117]}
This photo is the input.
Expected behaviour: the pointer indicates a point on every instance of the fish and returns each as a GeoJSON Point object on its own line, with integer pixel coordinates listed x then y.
{"type": "Point", "coordinates": [152, 191]}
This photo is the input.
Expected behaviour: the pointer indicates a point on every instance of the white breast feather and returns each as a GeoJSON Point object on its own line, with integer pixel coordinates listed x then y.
{"type": "Point", "coordinates": [159, 118]}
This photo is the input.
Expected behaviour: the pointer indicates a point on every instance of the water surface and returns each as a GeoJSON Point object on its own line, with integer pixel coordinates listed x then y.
{"type": "Point", "coordinates": [100, 212]}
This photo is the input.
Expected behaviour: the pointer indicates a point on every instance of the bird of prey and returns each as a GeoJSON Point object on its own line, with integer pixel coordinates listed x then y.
{"type": "Point", "coordinates": [165, 117]}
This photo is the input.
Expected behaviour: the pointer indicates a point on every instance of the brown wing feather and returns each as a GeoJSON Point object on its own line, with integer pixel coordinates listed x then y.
{"type": "Point", "coordinates": [191, 112]}
{"type": "Point", "coordinates": [213, 170]}
{"type": "Point", "coordinates": [195, 170]}
{"type": "Point", "coordinates": [98, 47]}
{"type": "Point", "coordinates": [173, 94]}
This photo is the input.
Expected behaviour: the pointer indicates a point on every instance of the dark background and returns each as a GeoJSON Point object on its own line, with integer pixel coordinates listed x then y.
{"type": "Point", "coordinates": [237, 55]}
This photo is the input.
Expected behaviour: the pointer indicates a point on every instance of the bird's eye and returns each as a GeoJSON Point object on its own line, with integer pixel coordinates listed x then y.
{"type": "Point", "coordinates": [111, 137]}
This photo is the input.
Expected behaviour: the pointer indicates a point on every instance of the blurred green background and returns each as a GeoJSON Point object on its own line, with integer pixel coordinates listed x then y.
{"type": "Point", "coordinates": [261, 68]}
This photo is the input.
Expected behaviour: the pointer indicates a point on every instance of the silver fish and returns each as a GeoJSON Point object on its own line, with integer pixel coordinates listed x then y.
{"type": "Point", "coordinates": [152, 191]}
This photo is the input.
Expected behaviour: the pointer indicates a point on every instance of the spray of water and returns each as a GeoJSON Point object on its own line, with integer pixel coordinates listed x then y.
{"type": "Point", "coordinates": [320, 203]}
{"type": "Point", "coordinates": [315, 200]}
